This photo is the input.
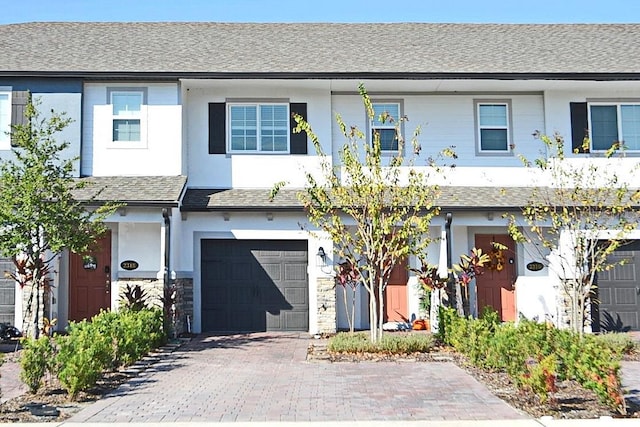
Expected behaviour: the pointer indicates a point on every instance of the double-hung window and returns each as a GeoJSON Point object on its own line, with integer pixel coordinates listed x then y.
{"type": "Point", "coordinates": [127, 114]}
{"type": "Point", "coordinates": [614, 123]}
{"type": "Point", "coordinates": [384, 122]}
{"type": "Point", "coordinates": [493, 126]}
{"type": "Point", "coordinates": [259, 128]}
{"type": "Point", "coordinates": [5, 119]}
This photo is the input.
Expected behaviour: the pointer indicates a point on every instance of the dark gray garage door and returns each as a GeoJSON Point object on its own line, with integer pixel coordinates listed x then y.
{"type": "Point", "coordinates": [619, 292]}
{"type": "Point", "coordinates": [7, 293]}
{"type": "Point", "coordinates": [254, 285]}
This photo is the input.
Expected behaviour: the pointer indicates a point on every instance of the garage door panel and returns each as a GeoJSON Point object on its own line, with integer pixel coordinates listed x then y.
{"type": "Point", "coordinates": [295, 272]}
{"type": "Point", "coordinates": [274, 271]}
{"type": "Point", "coordinates": [273, 322]}
{"type": "Point", "coordinates": [626, 296]}
{"type": "Point", "coordinates": [296, 296]}
{"type": "Point", "coordinates": [7, 292]}
{"type": "Point", "coordinates": [257, 294]}
{"type": "Point", "coordinates": [619, 304]}
{"type": "Point", "coordinates": [625, 272]}
{"type": "Point", "coordinates": [296, 321]}
{"type": "Point", "coordinates": [605, 296]}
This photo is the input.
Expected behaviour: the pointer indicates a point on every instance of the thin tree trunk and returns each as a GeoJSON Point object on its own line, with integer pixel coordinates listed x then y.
{"type": "Point", "coordinates": [373, 318]}
{"type": "Point", "coordinates": [353, 309]}
{"type": "Point", "coordinates": [346, 310]}
{"type": "Point", "coordinates": [380, 309]}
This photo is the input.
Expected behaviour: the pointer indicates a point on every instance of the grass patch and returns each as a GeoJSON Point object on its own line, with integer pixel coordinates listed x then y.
{"type": "Point", "coordinates": [397, 343]}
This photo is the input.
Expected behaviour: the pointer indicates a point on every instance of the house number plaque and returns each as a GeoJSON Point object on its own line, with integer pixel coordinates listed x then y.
{"type": "Point", "coordinates": [129, 265]}
{"type": "Point", "coordinates": [535, 266]}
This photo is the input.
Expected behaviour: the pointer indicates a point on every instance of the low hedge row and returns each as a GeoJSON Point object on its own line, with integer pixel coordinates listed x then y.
{"type": "Point", "coordinates": [79, 358]}
{"type": "Point", "coordinates": [537, 355]}
{"type": "Point", "coordinates": [345, 342]}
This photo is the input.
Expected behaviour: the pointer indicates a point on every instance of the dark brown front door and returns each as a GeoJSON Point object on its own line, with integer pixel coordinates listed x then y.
{"type": "Point", "coordinates": [395, 294]}
{"type": "Point", "coordinates": [90, 281]}
{"type": "Point", "coordinates": [495, 286]}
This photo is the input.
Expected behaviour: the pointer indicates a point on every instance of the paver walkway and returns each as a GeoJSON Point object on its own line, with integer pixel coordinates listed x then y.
{"type": "Point", "coordinates": [265, 377]}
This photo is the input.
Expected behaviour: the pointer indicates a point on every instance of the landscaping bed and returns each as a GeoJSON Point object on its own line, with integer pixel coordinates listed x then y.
{"type": "Point", "coordinates": [570, 401]}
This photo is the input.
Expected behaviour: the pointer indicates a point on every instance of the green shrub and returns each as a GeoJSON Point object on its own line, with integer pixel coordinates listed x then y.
{"type": "Point", "coordinates": [142, 331]}
{"type": "Point", "coordinates": [540, 377]}
{"type": "Point", "coordinates": [345, 342]}
{"type": "Point", "coordinates": [446, 318]}
{"type": "Point", "coordinates": [132, 333]}
{"type": "Point", "coordinates": [536, 355]}
{"type": "Point", "coordinates": [82, 357]}
{"type": "Point", "coordinates": [619, 343]}
{"type": "Point", "coordinates": [36, 359]}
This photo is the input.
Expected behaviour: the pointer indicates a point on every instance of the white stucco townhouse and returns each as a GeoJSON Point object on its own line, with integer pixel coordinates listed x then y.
{"type": "Point", "coordinates": [190, 126]}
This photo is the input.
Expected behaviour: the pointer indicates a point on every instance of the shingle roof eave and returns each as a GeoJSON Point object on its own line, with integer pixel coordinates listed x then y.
{"type": "Point", "coordinates": [206, 47]}
{"type": "Point", "coordinates": [133, 190]}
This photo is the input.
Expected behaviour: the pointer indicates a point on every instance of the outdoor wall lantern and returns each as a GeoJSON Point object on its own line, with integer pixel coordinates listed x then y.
{"type": "Point", "coordinates": [322, 256]}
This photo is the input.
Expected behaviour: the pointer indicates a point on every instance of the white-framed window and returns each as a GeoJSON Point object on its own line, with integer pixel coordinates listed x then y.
{"type": "Point", "coordinates": [385, 119]}
{"type": "Point", "coordinates": [127, 114]}
{"type": "Point", "coordinates": [262, 127]}
{"type": "Point", "coordinates": [493, 130]}
{"type": "Point", "coordinates": [5, 119]}
{"type": "Point", "coordinates": [611, 123]}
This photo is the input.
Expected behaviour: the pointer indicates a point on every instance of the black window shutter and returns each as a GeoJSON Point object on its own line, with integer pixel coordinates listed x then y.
{"type": "Point", "coordinates": [217, 128]}
{"type": "Point", "coordinates": [19, 101]}
{"type": "Point", "coordinates": [298, 140]}
{"type": "Point", "coordinates": [579, 126]}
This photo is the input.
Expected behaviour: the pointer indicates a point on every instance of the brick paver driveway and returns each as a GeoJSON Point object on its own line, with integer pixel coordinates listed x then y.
{"type": "Point", "coordinates": [265, 377]}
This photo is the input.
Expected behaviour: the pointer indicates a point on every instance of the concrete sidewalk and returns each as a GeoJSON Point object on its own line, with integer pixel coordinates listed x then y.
{"type": "Point", "coordinates": [604, 422]}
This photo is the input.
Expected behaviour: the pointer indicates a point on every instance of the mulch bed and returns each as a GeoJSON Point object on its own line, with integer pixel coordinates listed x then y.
{"type": "Point", "coordinates": [51, 403]}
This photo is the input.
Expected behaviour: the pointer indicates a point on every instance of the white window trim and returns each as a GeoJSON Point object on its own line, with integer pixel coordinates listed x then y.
{"type": "Point", "coordinates": [5, 137]}
{"type": "Point", "coordinates": [509, 127]}
{"type": "Point", "coordinates": [616, 104]}
{"type": "Point", "coordinates": [230, 150]}
{"type": "Point", "coordinates": [142, 143]}
{"type": "Point", "coordinates": [392, 125]}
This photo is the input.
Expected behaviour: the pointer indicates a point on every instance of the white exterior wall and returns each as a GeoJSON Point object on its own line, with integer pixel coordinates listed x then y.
{"type": "Point", "coordinates": [251, 170]}
{"type": "Point", "coordinates": [70, 105]}
{"type": "Point", "coordinates": [557, 99]}
{"type": "Point", "coordinates": [140, 242]}
{"type": "Point", "coordinates": [160, 151]}
{"type": "Point", "coordinates": [449, 121]}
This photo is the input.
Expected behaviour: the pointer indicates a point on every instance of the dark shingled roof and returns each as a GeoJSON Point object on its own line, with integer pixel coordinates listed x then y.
{"type": "Point", "coordinates": [199, 199]}
{"type": "Point", "coordinates": [320, 49]}
{"type": "Point", "coordinates": [258, 199]}
{"type": "Point", "coordinates": [134, 190]}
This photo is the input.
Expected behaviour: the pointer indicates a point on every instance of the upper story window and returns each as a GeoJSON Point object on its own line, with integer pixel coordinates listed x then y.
{"type": "Point", "coordinates": [384, 122]}
{"type": "Point", "coordinates": [493, 131]}
{"type": "Point", "coordinates": [259, 128]}
{"type": "Point", "coordinates": [612, 123]}
{"type": "Point", "coordinates": [127, 113]}
{"type": "Point", "coordinates": [5, 120]}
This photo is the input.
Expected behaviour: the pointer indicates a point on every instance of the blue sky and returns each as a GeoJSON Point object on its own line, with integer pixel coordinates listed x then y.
{"type": "Point", "coordinates": [499, 11]}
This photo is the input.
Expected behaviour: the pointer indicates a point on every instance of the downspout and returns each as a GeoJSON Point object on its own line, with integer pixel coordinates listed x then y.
{"type": "Point", "coordinates": [450, 281]}
{"type": "Point", "coordinates": [167, 247]}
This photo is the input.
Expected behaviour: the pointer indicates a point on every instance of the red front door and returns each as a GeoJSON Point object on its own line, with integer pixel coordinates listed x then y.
{"type": "Point", "coordinates": [395, 295]}
{"type": "Point", "coordinates": [495, 286]}
{"type": "Point", "coordinates": [90, 281]}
